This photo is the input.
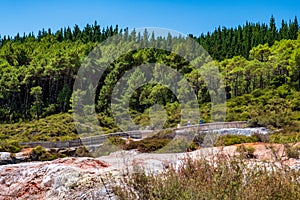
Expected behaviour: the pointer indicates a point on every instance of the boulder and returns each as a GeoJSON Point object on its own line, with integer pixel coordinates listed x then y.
{"type": "Point", "coordinates": [22, 157]}
{"type": "Point", "coordinates": [5, 158]}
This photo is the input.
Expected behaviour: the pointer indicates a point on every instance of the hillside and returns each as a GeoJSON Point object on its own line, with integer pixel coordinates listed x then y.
{"type": "Point", "coordinates": [37, 75]}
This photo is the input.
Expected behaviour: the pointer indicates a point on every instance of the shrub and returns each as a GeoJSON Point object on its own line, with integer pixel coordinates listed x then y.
{"type": "Point", "coordinates": [164, 134]}
{"type": "Point", "coordinates": [116, 140]}
{"type": "Point", "coordinates": [40, 154]}
{"type": "Point", "coordinates": [246, 151]}
{"type": "Point", "coordinates": [11, 146]}
{"type": "Point", "coordinates": [130, 144]}
{"type": "Point", "coordinates": [262, 137]}
{"type": "Point", "coordinates": [292, 151]}
{"type": "Point", "coordinates": [235, 139]}
{"type": "Point", "coordinates": [82, 152]}
{"type": "Point", "coordinates": [147, 145]}
{"type": "Point", "coordinates": [150, 145]}
{"type": "Point", "coordinates": [177, 145]}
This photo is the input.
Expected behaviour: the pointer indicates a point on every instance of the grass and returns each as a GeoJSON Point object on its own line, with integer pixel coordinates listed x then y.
{"type": "Point", "coordinates": [59, 127]}
{"type": "Point", "coordinates": [226, 178]}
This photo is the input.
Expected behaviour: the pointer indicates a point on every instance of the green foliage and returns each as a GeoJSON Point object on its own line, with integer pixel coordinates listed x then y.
{"type": "Point", "coordinates": [116, 140]}
{"type": "Point", "coordinates": [40, 154]}
{"type": "Point", "coordinates": [274, 108]}
{"type": "Point", "coordinates": [58, 127]}
{"type": "Point", "coordinates": [147, 145]}
{"type": "Point", "coordinates": [12, 146]}
{"type": "Point", "coordinates": [178, 145]}
{"type": "Point", "coordinates": [227, 140]}
{"type": "Point", "coordinates": [36, 92]}
{"type": "Point", "coordinates": [260, 66]}
{"type": "Point", "coordinates": [289, 134]}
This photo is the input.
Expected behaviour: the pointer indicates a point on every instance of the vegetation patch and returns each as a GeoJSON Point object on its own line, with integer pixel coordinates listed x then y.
{"type": "Point", "coordinates": [226, 140]}
{"type": "Point", "coordinates": [245, 151]}
{"type": "Point", "coordinates": [228, 178]}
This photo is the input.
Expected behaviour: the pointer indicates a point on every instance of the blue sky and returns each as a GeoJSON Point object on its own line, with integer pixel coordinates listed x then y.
{"type": "Point", "coordinates": [188, 16]}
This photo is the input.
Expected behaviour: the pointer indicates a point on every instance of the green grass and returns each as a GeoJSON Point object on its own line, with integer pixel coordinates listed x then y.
{"type": "Point", "coordinates": [59, 127]}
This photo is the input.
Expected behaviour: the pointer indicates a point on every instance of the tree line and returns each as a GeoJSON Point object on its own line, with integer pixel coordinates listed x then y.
{"type": "Point", "coordinates": [37, 73]}
{"type": "Point", "coordinates": [221, 43]}
{"type": "Point", "coordinates": [228, 42]}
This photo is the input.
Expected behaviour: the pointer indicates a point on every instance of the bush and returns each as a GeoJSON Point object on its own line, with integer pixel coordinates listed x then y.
{"type": "Point", "coordinates": [11, 146]}
{"type": "Point", "coordinates": [82, 152]}
{"type": "Point", "coordinates": [147, 145]}
{"type": "Point", "coordinates": [246, 151]}
{"type": "Point", "coordinates": [40, 154]}
{"type": "Point", "coordinates": [150, 145]}
{"type": "Point", "coordinates": [164, 134]}
{"type": "Point", "coordinates": [177, 145]}
{"type": "Point", "coordinates": [228, 140]}
{"type": "Point", "coordinates": [292, 151]}
{"type": "Point", "coordinates": [117, 140]}
{"type": "Point", "coordinates": [262, 137]}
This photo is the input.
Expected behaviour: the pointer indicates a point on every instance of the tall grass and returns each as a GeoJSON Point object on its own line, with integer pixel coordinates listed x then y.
{"type": "Point", "coordinates": [226, 178]}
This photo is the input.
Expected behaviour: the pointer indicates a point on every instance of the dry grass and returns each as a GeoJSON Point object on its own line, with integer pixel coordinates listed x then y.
{"type": "Point", "coordinates": [226, 178]}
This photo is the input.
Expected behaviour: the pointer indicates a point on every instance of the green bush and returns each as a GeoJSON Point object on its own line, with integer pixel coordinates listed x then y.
{"type": "Point", "coordinates": [53, 128]}
{"type": "Point", "coordinates": [227, 140]}
{"type": "Point", "coordinates": [150, 145]}
{"type": "Point", "coordinates": [164, 134]}
{"type": "Point", "coordinates": [11, 146]}
{"type": "Point", "coordinates": [289, 134]}
{"type": "Point", "coordinates": [40, 154]}
{"type": "Point", "coordinates": [178, 145]}
{"type": "Point", "coordinates": [116, 140]}
{"type": "Point", "coordinates": [147, 145]}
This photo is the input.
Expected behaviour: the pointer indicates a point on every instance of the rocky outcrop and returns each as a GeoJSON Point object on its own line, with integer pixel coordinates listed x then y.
{"type": "Point", "coordinates": [66, 178]}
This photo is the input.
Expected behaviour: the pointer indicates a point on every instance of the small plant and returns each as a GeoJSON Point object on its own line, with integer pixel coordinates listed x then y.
{"type": "Point", "coordinates": [150, 145]}
{"type": "Point", "coordinates": [262, 137]}
{"type": "Point", "coordinates": [40, 154]}
{"type": "Point", "coordinates": [82, 152]}
{"type": "Point", "coordinates": [246, 151]}
{"type": "Point", "coordinates": [292, 151]}
{"type": "Point", "coordinates": [116, 140]}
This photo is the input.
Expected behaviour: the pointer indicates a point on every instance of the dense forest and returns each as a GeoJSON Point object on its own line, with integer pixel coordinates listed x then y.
{"type": "Point", "coordinates": [260, 65]}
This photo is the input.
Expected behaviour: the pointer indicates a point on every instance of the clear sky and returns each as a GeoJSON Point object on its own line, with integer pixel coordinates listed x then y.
{"type": "Point", "coordinates": [188, 16]}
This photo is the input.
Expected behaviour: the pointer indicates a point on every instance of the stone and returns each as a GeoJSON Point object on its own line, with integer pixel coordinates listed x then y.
{"type": "Point", "coordinates": [5, 158]}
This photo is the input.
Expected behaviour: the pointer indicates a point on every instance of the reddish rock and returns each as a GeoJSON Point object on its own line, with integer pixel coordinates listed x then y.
{"type": "Point", "coordinates": [50, 180]}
